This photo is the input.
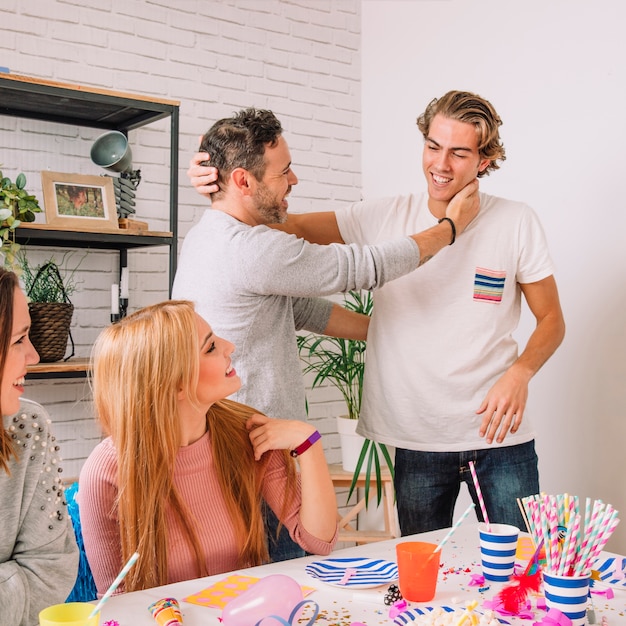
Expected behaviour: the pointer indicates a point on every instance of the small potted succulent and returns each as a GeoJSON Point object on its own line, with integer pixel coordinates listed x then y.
{"type": "Point", "coordinates": [341, 362]}
{"type": "Point", "coordinates": [16, 206]}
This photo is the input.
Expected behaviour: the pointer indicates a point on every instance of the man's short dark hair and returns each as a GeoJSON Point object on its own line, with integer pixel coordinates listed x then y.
{"type": "Point", "coordinates": [240, 141]}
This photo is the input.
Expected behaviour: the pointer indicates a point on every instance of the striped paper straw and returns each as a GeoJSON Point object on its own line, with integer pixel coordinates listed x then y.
{"type": "Point", "coordinates": [591, 532]}
{"type": "Point", "coordinates": [607, 526]}
{"type": "Point", "coordinates": [479, 493]}
{"type": "Point", "coordinates": [453, 529]}
{"type": "Point", "coordinates": [570, 546]}
{"type": "Point", "coordinates": [115, 584]}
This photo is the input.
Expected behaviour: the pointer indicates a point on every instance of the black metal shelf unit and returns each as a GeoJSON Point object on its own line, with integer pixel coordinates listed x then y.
{"type": "Point", "coordinates": [51, 101]}
{"type": "Point", "coordinates": [32, 98]}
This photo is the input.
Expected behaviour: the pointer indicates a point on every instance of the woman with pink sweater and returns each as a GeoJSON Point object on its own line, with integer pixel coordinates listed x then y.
{"type": "Point", "coordinates": [182, 474]}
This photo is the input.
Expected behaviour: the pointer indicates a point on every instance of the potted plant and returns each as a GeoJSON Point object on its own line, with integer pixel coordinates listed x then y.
{"type": "Point", "coordinates": [16, 206]}
{"type": "Point", "coordinates": [48, 290]}
{"type": "Point", "coordinates": [341, 362]}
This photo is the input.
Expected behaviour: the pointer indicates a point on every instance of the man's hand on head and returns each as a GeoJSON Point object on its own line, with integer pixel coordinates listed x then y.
{"type": "Point", "coordinates": [203, 177]}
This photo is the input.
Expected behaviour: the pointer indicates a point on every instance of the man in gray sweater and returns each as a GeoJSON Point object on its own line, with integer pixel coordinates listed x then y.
{"type": "Point", "coordinates": [257, 286]}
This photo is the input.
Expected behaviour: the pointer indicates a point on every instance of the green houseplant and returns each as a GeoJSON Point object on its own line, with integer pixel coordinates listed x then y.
{"type": "Point", "coordinates": [48, 288]}
{"type": "Point", "coordinates": [16, 206]}
{"type": "Point", "coordinates": [341, 362]}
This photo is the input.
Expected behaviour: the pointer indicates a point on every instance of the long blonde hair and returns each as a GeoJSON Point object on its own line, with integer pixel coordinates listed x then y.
{"type": "Point", "coordinates": [139, 366]}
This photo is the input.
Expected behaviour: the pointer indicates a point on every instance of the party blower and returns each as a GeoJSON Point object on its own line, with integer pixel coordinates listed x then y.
{"type": "Point", "coordinates": [166, 612]}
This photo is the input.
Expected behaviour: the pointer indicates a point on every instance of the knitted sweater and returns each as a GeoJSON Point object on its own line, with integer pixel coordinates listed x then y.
{"type": "Point", "coordinates": [38, 553]}
{"type": "Point", "coordinates": [196, 480]}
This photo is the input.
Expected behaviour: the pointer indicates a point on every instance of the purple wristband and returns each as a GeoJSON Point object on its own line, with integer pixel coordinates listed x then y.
{"type": "Point", "coordinates": [306, 444]}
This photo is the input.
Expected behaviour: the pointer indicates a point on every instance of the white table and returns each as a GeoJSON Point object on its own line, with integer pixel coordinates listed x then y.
{"type": "Point", "coordinates": [339, 606]}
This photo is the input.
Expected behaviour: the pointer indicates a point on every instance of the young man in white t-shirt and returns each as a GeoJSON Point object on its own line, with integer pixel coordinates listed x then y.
{"type": "Point", "coordinates": [444, 380]}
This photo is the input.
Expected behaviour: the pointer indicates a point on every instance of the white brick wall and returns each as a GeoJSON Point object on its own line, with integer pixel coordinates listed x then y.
{"type": "Point", "coordinates": [300, 58]}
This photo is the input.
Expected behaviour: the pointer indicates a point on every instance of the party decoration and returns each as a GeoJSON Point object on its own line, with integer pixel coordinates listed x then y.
{"type": "Point", "coordinates": [275, 595]}
{"type": "Point", "coordinates": [573, 540]}
{"type": "Point", "coordinates": [514, 595]}
{"type": "Point", "coordinates": [220, 593]}
{"type": "Point", "coordinates": [554, 617]}
{"type": "Point", "coordinates": [166, 612]}
{"type": "Point", "coordinates": [393, 595]}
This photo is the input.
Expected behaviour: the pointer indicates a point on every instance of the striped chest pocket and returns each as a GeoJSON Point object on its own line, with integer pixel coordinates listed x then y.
{"type": "Point", "coordinates": [489, 285]}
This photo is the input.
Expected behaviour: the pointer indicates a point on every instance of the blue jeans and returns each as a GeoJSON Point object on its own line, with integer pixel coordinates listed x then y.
{"type": "Point", "coordinates": [284, 547]}
{"type": "Point", "coordinates": [427, 485]}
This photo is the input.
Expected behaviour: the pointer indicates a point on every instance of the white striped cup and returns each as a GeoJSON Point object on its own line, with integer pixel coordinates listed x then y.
{"type": "Point", "coordinates": [498, 546]}
{"type": "Point", "coordinates": [568, 594]}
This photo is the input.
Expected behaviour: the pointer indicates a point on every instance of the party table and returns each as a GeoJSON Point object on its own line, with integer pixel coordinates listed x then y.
{"type": "Point", "coordinates": [341, 606]}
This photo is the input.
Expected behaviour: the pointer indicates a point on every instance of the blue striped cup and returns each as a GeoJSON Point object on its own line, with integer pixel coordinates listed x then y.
{"type": "Point", "coordinates": [498, 546]}
{"type": "Point", "coordinates": [568, 594]}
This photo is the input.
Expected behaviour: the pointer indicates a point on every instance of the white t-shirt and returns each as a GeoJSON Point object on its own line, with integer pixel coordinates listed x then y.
{"type": "Point", "coordinates": [442, 335]}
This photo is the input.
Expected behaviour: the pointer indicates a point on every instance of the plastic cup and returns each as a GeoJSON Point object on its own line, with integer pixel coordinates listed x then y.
{"type": "Point", "coordinates": [568, 594]}
{"type": "Point", "coordinates": [69, 614]}
{"type": "Point", "coordinates": [418, 567]}
{"type": "Point", "coordinates": [498, 546]}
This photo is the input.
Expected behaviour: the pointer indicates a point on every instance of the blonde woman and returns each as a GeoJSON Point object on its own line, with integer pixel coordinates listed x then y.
{"type": "Point", "coordinates": [38, 553]}
{"type": "Point", "coordinates": [182, 473]}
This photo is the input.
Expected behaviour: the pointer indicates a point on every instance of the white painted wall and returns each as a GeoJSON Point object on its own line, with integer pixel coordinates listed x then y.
{"type": "Point", "coordinates": [555, 72]}
{"type": "Point", "coordinates": [299, 58]}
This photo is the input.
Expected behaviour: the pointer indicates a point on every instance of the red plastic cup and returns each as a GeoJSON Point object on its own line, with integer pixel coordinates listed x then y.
{"type": "Point", "coordinates": [418, 567]}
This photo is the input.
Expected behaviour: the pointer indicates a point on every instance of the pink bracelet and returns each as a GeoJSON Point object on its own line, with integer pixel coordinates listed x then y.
{"type": "Point", "coordinates": [306, 444]}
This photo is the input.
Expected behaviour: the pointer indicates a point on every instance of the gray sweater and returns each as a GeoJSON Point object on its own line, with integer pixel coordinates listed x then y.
{"type": "Point", "coordinates": [255, 286]}
{"type": "Point", "coordinates": [38, 552]}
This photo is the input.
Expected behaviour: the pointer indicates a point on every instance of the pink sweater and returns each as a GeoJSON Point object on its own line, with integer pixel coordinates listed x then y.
{"type": "Point", "coordinates": [196, 480]}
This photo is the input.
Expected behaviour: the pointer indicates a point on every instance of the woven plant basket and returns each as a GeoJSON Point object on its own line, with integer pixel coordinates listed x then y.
{"type": "Point", "coordinates": [50, 321]}
{"type": "Point", "coordinates": [50, 329]}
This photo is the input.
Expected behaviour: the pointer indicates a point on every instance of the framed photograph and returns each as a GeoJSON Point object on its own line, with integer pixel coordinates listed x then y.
{"type": "Point", "coordinates": [79, 202]}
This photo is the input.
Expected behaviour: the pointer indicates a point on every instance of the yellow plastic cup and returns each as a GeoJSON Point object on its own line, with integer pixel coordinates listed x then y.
{"type": "Point", "coordinates": [418, 567]}
{"type": "Point", "coordinates": [69, 614]}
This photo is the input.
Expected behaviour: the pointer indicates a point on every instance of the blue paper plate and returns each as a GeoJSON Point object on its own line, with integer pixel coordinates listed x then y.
{"type": "Point", "coordinates": [368, 572]}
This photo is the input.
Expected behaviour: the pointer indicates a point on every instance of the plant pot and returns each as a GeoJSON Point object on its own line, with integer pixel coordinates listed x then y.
{"type": "Point", "coordinates": [50, 329]}
{"type": "Point", "coordinates": [351, 443]}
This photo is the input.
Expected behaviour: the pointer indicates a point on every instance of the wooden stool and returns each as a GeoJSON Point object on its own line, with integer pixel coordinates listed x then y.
{"type": "Point", "coordinates": [347, 532]}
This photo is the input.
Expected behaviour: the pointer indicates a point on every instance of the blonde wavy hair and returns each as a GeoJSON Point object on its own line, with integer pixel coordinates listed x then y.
{"type": "Point", "coordinates": [139, 366]}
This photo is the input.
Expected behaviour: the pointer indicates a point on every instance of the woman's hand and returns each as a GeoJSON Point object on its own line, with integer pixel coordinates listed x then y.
{"type": "Point", "coordinates": [267, 433]}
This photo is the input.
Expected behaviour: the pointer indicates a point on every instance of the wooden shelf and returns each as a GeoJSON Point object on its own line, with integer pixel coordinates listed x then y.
{"type": "Point", "coordinates": [347, 532]}
{"type": "Point", "coordinates": [44, 235]}
{"type": "Point", "coordinates": [37, 98]}
{"type": "Point", "coordinates": [76, 367]}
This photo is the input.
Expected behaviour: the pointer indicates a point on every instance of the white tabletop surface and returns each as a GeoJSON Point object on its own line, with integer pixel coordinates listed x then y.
{"type": "Point", "coordinates": [460, 559]}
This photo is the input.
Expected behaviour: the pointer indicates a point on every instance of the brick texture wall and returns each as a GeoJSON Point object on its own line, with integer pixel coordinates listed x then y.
{"type": "Point", "coordinates": [300, 58]}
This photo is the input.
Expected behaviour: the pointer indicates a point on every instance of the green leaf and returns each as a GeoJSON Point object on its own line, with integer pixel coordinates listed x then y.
{"type": "Point", "coordinates": [20, 181]}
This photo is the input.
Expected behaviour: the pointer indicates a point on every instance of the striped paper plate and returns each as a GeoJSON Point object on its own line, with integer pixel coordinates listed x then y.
{"type": "Point", "coordinates": [367, 572]}
{"type": "Point", "coordinates": [408, 617]}
{"type": "Point", "coordinates": [612, 571]}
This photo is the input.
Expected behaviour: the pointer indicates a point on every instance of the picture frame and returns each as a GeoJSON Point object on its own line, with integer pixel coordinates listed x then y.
{"type": "Point", "coordinates": [79, 202]}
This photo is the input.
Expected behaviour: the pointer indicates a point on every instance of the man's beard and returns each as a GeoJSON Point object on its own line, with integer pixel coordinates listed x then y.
{"type": "Point", "coordinates": [269, 209]}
